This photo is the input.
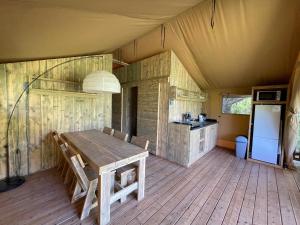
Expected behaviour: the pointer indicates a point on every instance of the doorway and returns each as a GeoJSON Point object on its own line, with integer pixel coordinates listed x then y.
{"type": "Point", "coordinates": [132, 115]}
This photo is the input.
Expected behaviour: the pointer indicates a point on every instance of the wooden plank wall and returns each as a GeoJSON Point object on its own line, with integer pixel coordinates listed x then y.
{"type": "Point", "coordinates": [153, 77]}
{"type": "Point", "coordinates": [52, 104]}
{"type": "Point", "coordinates": [147, 115]}
{"type": "Point", "coordinates": [180, 78]}
{"type": "Point", "coordinates": [163, 117]}
{"type": "Point", "coordinates": [149, 75]}
{"type": "Point", "coordinates": [3, 118]}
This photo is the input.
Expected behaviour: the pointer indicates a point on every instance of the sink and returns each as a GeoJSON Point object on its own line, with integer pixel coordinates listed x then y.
{"type": "Point", "coordinates": [196, 124]}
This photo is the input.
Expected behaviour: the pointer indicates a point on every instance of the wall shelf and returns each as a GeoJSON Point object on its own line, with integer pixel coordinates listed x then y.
{"type": "Point", "coordinates": [57, 84]}
{"type": "Point", "coordinates": [59, 81]}
{"type": "Point", "coordinates": [59, 92]}
{"type": "Point", "coordinates": [269, 102]}
{"type": "Point", "coordinates": [187, 95]}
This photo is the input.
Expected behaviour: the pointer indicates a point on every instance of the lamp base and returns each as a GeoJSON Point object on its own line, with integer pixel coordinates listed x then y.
{"type": "Point", "coordinates": [11, 183]}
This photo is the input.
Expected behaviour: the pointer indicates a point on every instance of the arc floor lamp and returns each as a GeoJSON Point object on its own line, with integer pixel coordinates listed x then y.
{"type": "Point", "coordinates": [95, 82]}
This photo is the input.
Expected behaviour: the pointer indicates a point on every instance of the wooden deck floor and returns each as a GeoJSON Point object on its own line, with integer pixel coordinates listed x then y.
{"type": "Point", "coordinates": [217, 189]}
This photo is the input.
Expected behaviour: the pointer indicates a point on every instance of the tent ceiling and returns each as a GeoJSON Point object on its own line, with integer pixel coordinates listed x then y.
{"type": "Point", "coordinates": [253, 42]}
{"type": "Point", "coordinates": [32, 29]}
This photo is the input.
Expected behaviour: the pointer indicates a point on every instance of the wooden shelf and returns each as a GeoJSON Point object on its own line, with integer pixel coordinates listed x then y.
{"type": "Point", "coordinates": [187, 95]}
{"type": "Point", "coordinates": [283, 86]}
{"type": "Point", "coordinates": [269, 102]}
{"type": "Point", "coordinates": [59, 92]}
{"type": "Point", "coordinates": [59, 81]}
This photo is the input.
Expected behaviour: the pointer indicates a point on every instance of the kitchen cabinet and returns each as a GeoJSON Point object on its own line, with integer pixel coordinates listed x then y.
{"type": "Point", "coordinates": [211, 137]}
{"type": "Point", "coordinates": [186, 145]}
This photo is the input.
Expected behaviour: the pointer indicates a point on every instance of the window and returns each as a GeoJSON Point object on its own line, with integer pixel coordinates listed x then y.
{"type": "Point", "coordinates": [236, 104]}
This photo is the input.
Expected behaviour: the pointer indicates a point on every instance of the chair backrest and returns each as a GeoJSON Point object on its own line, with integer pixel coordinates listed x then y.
{"type": "Point", "coordinates": [56, 138]}
{"type": "Point", "coordinates": [108, 131]}
{"type": "Point", "coordinates": [120, 135]}
{"type": "Point", "coordinates": [63, 147]}
{"type": "Point", "coordinates": [140, 141]}
{"type": "Point", "coordinates": [60, 144]}
{"type": "Point", "coordinates": [78, 169]}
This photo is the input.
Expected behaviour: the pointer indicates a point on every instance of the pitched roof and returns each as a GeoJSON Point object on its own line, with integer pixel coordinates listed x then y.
{"type": "Point", "coordinates": [253, 42]}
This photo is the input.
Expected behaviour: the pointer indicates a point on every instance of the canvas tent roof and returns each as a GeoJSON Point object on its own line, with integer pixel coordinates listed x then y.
{"type": "Point", "coordinates": [253, 42]}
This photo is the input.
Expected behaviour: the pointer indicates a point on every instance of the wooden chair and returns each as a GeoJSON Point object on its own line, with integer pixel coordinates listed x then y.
{"type": "Point", "coordinates": [67, 169]}
{"type": "Point", "coordinates": [64, 161]}
{"type": "Point", "coordinates": [140, 141]}
{"type": "Point", "coordinates": [120, 135]}
{"type": "Point", "coordinates": [57, 144]}
{"type": "Point", "coordinates": [108, 130]}
{"type": "Point", "coordinates": [86, 185]}
{"type": "Point", "coordinates": [127, 175]}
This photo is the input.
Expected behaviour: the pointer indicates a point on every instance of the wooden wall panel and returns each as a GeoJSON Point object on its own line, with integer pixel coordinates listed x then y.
{"type": "Point", "coordinates": [147, 115]}
{"type": "Point", "coordinates": [180, 78]}
{"type": "Point", "coordinates": [15, 83]}
{"type": "Point", "coordinates": [156, 66]}
{"type": "Point", "coordinates": [163, 117]}
{"type": "Point", "coordinates": [50, 105]}
{"type": "Point", "coordinates": [154, 76]}
{"type": "Point", "coordinates": [3, 116]}
{"type": "Point", "coordinates": [35, 134]}
{"type": "Point", "coordinates": [179, 107]}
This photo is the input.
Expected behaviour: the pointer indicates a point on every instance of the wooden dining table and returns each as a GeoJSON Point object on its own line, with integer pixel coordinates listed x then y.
{"type": "Point", "coordinates": [105, 153]}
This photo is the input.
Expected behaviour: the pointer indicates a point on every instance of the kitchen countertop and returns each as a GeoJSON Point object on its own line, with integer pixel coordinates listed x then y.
{"type": "Point", "coordinates": [197, 125]}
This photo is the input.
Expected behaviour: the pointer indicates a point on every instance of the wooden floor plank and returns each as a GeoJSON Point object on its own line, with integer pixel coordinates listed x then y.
{"type": "Point", "coordinates": [170, 184]}
{"type": "Point", "coordinates": [172, 187]}
{"type": "Point", "coordinates": [178, 201]}
{"type": "Point", "coordinates": [286, 208]}
{"type": "Point", "coordinates": [260, 216]}
{"type": "Point", "coordinates": [217, 216]}
{"type": "Point", "coordinates": [293, 193]}
{"type": "Point", "coordinates": [296, 174]}
{"type": "Point", "coordinates": [233, 211]}
{"type": "Point", "coordinates": [217, 189]}
{"type": "Point", "coordinates": [274, 214]}
{"type": "Point", "coordinates": [197, 204]}
{"type": "Point", "coordinates": [246, 213]}
{"type": "Point", "coordinates": [209, 206]}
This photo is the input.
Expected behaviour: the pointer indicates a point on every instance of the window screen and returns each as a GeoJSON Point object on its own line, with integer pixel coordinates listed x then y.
{"type": "Point", "coordinates": [236, 104]}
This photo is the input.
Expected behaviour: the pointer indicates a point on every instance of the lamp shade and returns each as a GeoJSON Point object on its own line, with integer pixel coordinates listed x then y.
{"type": "Point", "coordinates": [101, 81]}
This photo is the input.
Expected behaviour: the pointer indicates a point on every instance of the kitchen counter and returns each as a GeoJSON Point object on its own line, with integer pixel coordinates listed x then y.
{"type": "Point", "coordinates": [187, 142]}
{"type": "Point", "coordinates": [197, 125]}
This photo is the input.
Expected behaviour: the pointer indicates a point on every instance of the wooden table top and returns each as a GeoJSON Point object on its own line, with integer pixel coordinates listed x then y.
{"type": "Point", "coordinates": [104, 152]}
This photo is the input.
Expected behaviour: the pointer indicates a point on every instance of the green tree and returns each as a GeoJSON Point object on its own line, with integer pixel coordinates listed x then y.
{"type": "Point", "coordinates": [241, 107]}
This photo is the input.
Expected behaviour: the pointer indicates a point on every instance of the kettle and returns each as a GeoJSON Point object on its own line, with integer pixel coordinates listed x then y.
{"type": "Point", "coordinates": [202, 117]}
{"type": "Point", "coordinates": [187, 117]}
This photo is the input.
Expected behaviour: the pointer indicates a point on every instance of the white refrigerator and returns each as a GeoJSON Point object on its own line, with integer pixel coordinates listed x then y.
{"type": "Point", "coordinates": [266, 133]}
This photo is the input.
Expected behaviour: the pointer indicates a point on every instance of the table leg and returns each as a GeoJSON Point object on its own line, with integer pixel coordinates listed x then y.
{"type": "Point", "coordinates": [104, 198]}
{"type": "Point", "coordinates": [141, 179]}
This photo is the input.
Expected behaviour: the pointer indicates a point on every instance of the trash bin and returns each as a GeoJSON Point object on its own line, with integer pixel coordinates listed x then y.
{"type": "Point", "coordinates": [241, 146]}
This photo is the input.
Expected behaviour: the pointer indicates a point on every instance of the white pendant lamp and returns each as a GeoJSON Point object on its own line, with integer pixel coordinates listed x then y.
{"type": "Point", "coordinates": [101, 81]}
